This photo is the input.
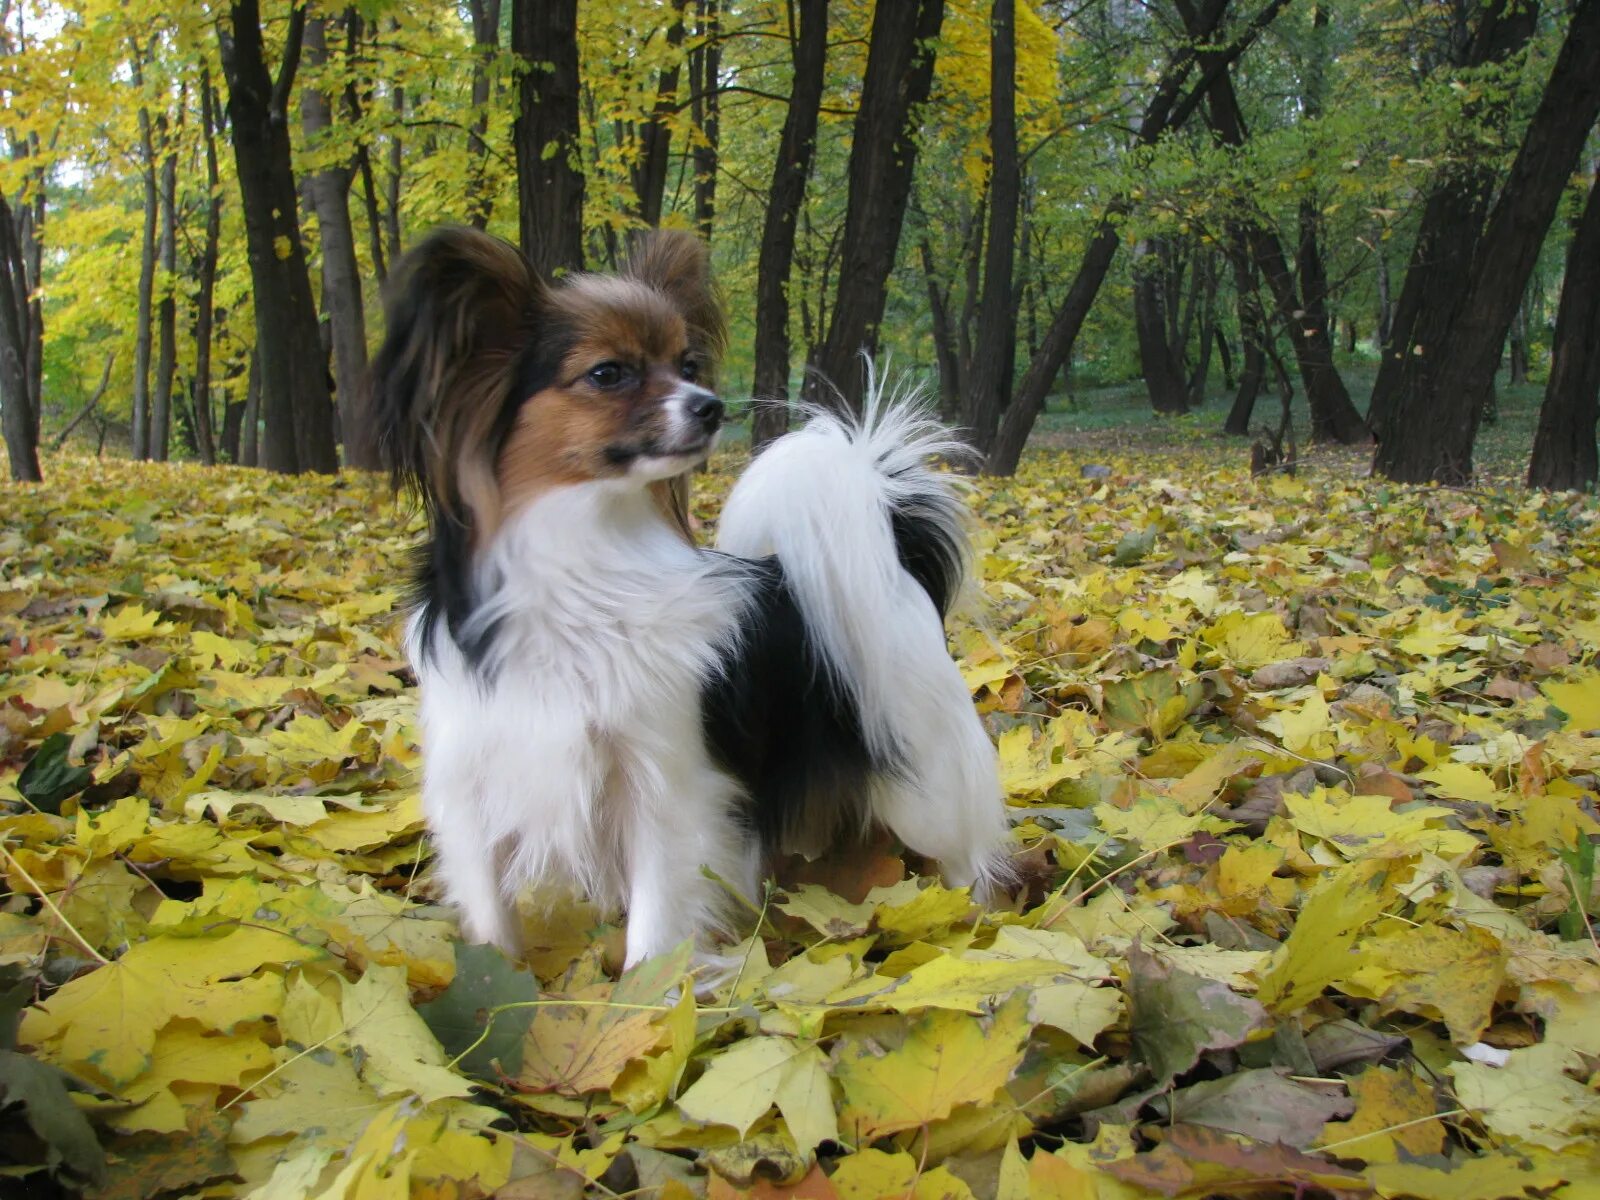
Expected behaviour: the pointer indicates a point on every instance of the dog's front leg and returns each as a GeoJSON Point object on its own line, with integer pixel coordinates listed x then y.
{"type": "Point", "coordinates": [688, 852]}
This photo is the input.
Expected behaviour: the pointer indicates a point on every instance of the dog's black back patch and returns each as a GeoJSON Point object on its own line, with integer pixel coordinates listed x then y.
{"type": "Point", "coordinates": [777, 722]}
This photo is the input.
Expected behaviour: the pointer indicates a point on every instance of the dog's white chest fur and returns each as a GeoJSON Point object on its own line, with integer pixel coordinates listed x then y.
{"type": "Point", "coordinates": [606, 625]}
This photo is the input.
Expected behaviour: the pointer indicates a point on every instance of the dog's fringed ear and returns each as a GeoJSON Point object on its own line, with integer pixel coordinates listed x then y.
{"type": "Point", "coordinates": [461, 304]}
{"type": "Point", "coordinates": [678, 263]}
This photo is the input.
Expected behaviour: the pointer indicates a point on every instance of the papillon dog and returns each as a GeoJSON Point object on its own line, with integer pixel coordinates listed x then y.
{"type": "Point", "coordinates": [607, 705]}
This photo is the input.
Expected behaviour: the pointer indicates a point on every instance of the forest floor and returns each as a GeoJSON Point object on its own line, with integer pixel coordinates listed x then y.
{"type": "Point", "coordinates": [1117, 418]}
{"type": "Point", "coordinates": [1304, 775]}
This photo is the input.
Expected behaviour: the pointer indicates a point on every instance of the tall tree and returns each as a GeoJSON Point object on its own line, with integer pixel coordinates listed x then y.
{"type": "Point", "coordinates": [883, 155]}
{"type": "Point", "coordinates": [167, 307]}
{"type": "Point", "coordinates": [21, 260]}
{"type": "Point", "coordinates": [486, 45]}
{"type": "Point", "coordinates": [988, 386]}
{"type": "Point", "coordinates": [1457, 200]}
{"type": "Point", "coordinates": [328, 189]}
{"type": "Point", "coordinates": [21, 426]}
{"type": "Point", "coordinates": [1564, 453]}
{"type": "Point", "coordinates": [1252, 335]}
{"type": "Point", "coordinates": [544, 33]}
{"type": "Point", "coordinates": [655, 137]}
{"type": "Point", "coordinates": [705, 69]}
{"type": "Point", "coordinates": [1160, 358]}
{"type": "Point", "coordinates": [808, 37]}
{"type": "Point", "coordinates": [295, 403]}
{"type": "Point", "coordinates": [1301, 303]}
{"type": "Point", "coordinates": [143, 324]}
{"type": "Point", "coordinates": [1172, 101]}
{"type": "Point", "coordinates": [205, 270]}
{"type": "Point", "coordinates": [1440, 394]}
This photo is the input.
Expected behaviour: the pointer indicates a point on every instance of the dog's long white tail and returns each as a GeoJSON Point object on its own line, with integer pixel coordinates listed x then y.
{"type": "Point", "coordinates": [872, 543]}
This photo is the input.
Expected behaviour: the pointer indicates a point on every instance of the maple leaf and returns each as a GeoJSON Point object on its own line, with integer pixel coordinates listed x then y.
{"type": "Point", "coordinates": [945, 1059]}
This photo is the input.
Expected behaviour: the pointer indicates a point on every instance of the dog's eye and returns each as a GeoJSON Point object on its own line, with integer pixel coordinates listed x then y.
{"type": "Point", "coordinates": [690, 369]}
{"type": "Point", "coordinates": [608, 375]}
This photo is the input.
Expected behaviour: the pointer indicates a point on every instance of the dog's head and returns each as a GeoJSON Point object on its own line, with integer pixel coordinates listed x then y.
{"type": "Point", "coordinates": [494, 387]}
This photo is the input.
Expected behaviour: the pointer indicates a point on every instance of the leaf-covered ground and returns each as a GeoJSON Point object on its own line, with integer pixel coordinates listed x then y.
{"type": "Point", "coordinates": [1305, 786]}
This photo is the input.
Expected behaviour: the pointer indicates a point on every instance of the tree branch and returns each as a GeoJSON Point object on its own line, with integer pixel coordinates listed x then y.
{"type": "Point", "coordinates": [293, 40]}
{"type": "Point", "coordinates": [105, 378]}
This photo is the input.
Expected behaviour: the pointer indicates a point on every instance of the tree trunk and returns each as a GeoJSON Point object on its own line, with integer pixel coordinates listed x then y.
{"type": "Point", "coordinates": [1452, 217]}
{"type": "Point", "coordinates": [544, 33]}
{"type": "Point", "coordinates": [394, 239]}
{"type": "Point", "coordinates": [1304, 317]}
{"type": "Point", "coordinates": [142, 329]}
{"type": "Point", "coordinates": [1225, 353]}
{"type": "Point", "coordinates": [995, 352]}
{"type": "Point", "coordinates": [1168, 108]}
{"type": "Point", "coordinates": [294, 383]}
{"type": "Point", "coordinates": [369, 185]}
{"type": "Point", "coordinates": [1205, 289]}
{"type": "Point", "coordinates": [480, 195]}
{"type": "Point", "coordinates": [329, 193]}
{"type": "Point", "coordinates": [1385, 321]}
{"type": "Point", "coordinates": [883, 156]}
{"type": "Point", "coordinates": [16, 409]}
{"type": "Point", "coordinates": [1564, 454]}
{"type": "Point", "coordinates": [250, 440]}
{"type": "Point", "coordinates": [655, 137]}
{"type": "Point", "coordinates": [1163, 375]}
{"type": "Point", "coordinates": [206, 271]}
{"type": "Point", "coordinates": [944, 348]}
{"type": "Point", "coordinates": [1027, 400]}
{"type": "Point", "coordinates": [1253, 335]}
{"type": "Point", "coordinates": [1517, 346]}
{"type": "Point", "coordinates": [1440, 394]}
{"type": "Point", "coordinates": [796, 146]}
{"type": "Point", "coordinates": [705, 68]}
{"type": "Point", "coordinates": [167, 308]}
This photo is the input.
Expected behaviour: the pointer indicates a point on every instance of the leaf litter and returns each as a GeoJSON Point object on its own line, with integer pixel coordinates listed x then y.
{"type": "Point", "coordinates": [1304, 781]}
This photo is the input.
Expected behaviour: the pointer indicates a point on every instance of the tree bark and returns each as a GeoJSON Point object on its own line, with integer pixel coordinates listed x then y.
{"type": "Point", "coordinates": [1385, 319]}
{"type": "Point", "coordinates": [373, 210]}
{"type": "Point", "coordinates": [655, 137]}
{"type": "Point", "coordinates": [142, 329]}
{"type": "Point", "coordinates": [294, 383]}
{"type": "Point", "coordinates": [250, 434]}
{"type": "Point", "coordinates": [1440, 394]}
{"type": "Point", "coordinates": [796, 146]}
{"type": "Point", "coordinates": [1452, 218]}
{"type": "Point", "coordinates": [486, 44]}
{"type": "Point", "coordinates": [994, 355]}
{"type": "Point", "coordinates": [883, 158]}
{"type": "Point", "coordinates": [1203, 291]}
{"type": "Point", "coordinates": [394, 239]}
{"type": "Point", "coordinates": [944, 345]}
{"type": "Point", "coordinates": [1564, 453]}
{"type": "Point", "coordinates": [16, 409]}
{"type": "Point", "coordinates": [206, 271]}
{"type": "Point", "coordinates": [705, 69]}
{"type": "Point", "coordinates": [1253, 335]}
{"type": "Point", "coordinates": [167, 307]}
{"type": "Point", "coordinates": [1163, 373]}
{"type": "Point", "coordinates": [329, 193]}
{"type": "Point", "coordinates": [544, 33]}
{"type": "Point", "coordinates": [1517, 346]}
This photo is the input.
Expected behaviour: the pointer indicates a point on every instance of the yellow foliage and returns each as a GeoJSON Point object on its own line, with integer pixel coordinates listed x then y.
{"type": "Point", "coordinates": [221, 904]}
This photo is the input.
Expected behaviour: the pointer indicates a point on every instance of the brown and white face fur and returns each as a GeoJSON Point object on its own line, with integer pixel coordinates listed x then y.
{"type": "Point", "coordinates": [615, 393]}
{"type": "Point", "coordinates": [494, 387]}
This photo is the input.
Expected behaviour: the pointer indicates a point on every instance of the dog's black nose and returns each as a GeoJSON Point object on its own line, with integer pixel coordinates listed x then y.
{"type": "Point", "coordinates": [707, 410]}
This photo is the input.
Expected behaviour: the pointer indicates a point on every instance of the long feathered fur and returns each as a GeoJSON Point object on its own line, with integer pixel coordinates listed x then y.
{"type": "Point", "coordinates": [611, 706]}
